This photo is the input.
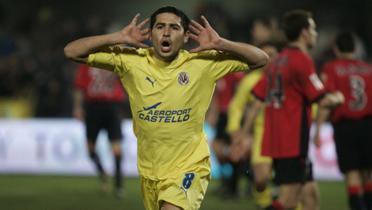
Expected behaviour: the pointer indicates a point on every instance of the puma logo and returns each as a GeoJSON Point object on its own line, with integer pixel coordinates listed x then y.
{"type": "Point", "coordinates": [151, 81]}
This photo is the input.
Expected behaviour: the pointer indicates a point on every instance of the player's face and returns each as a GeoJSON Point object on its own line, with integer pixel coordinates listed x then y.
{"type": "Point", "coordinates": [168, 36]}
{"type": "Point", "coordinates": [312, 34]}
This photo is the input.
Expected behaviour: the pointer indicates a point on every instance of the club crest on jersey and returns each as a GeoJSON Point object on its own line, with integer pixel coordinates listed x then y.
{"type": "Point", "coordinates": [187, 181]}
{"type": "Point", "coordinates": [183, 78]}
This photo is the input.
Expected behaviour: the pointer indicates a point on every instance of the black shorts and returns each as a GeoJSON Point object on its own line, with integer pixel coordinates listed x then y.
{"type": "Point", "coordinates": [221, 134]}
{"type": "Point", "coordinates": [102, 115]}
{"type": "Point", "coordinates": [353, 139]}
{"type": "Point", "coordinates": [292, 170]}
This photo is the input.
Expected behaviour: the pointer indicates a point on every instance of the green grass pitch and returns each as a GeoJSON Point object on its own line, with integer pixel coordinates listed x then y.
{"type": "Point", "coordinates": [81, 193]}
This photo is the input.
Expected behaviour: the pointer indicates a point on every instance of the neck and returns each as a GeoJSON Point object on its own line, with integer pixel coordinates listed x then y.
{"type": "Point", "coordinates": [300, 45]}
{"type": "Point", "coordinates": [348, 56]}
{"type": "Point", "coordinates": [164, 59]}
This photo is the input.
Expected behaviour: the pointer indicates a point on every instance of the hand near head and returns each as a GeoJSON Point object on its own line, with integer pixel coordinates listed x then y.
{"type": "Point", "coordinates": [205, 35]}
{"type": "Point", "coordinates": [135, 34]}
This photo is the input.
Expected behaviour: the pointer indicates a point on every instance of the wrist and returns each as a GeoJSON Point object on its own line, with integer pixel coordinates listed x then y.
{"type": "Point", "coordinates": [116, 38]}
{"type": "Point", "coordinates": [221, 44]}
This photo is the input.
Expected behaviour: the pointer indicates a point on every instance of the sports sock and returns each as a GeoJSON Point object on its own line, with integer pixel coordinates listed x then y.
{"type": "Point", "coordinates": [275, 205]}
{"type": "Point", "coordinates": [263, 198]}
{"type": "Point", "coordinates": [368, 195]}
{"type": "Point", "coordinates": [118, 175]}
{"type": "Point", "coordinates": [356, 200]}
{"type": "Point", "coordinates": [299, 206]}
{"type": "Point", "coordinates": [94, 157]}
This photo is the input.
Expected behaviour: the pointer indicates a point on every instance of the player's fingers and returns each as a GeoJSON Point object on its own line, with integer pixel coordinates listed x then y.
{"type": "Point", "coordinates": [193, 36]}
{"type": "Point", "coordinates": [194, 29]}
{"type": "Point", "coordinates": [205, 21]}
{"type": "Point", "coordinates": [143, 23]}
{"type": "Point", "coordinates": [145, 31]}
{"type": "Point", "coordinates": [196, 25]}
{"type": "Point", "coordinates": [135, 19]}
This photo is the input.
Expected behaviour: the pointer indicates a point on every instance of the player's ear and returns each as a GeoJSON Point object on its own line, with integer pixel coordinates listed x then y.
{"type": "Point", "coordinates": [187, 36]}
{"type": "Point", "coordinates": [305, 33]}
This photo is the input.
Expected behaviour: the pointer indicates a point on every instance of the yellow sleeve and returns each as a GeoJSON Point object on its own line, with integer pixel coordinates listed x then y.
{"type": "Point", "coordinates": [223, 63]}
{"type": "Point", "coordinates": [108, 61]}
{"type": "Point", "coordinates": [114, 60]}
{"type": "Point", "coordinates": [240, 100]}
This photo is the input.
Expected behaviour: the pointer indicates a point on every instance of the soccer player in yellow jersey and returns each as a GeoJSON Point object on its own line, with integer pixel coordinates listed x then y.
{"type": "Point", "coordinates": [169, 91]}
{"type": "Point", "coordinates": [261, 164]}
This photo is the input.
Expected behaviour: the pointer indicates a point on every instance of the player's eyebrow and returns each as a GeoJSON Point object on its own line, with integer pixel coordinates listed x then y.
{"type": "Point", "coordinates": [170, 24]}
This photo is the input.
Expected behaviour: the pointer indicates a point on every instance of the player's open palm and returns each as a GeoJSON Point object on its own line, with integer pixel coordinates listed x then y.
{"type": "Point", "coordinates": [135, 34]}
{"type": "Point", "coordinates": [205, 35]}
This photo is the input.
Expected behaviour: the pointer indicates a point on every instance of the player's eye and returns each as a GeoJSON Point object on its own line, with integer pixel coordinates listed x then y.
{"type": "Point", "coordinates": [159, 26]}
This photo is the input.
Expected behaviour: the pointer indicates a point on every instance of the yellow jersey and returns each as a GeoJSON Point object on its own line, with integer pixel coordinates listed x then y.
{"type": "Point", "coordinates": [168, 103]}
{"type": "Point", "coordinates": [240, 100]}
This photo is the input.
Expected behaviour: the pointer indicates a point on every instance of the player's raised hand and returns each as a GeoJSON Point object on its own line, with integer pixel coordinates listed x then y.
{"type": "Point", "coordinates": [205, 35]}
{"type": "Point", "coordinates": [135, 34]}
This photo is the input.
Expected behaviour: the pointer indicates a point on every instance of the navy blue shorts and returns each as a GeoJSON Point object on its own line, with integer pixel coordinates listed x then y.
{"type": "Point", "coordinates": [292, 170]}
{"type": "Point", "coordinates": [353, 139]}
{"type": "Point", "coordinates": [102, 115]}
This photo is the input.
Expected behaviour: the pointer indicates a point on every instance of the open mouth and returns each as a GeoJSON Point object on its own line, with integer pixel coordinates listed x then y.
{"type": "Point", "coordinates": [165, 46]}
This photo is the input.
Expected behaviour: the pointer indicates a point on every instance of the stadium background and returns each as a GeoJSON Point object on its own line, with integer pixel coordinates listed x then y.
{"type": "Point", "coordinates": [42, 153]}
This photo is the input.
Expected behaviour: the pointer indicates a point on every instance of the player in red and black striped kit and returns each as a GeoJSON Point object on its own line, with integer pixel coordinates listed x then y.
{"type": "Point", "coordinates": [288, 88]}
{"type": "Point", "coordinates": [352, 121]}
{"type": "Point", "coordinates": [97, 101]}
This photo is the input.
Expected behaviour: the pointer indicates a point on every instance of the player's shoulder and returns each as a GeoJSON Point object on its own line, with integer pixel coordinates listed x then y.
{"type": "Point", "coordinates": [295, 57]}
{"type": "Point", "coordinates": [207, 54]}
{"type": "Point", "coordinates": [329, 65]}
{"type": "Point", "coordinates": [364, 64]}
{"type": "Point", "coordinates": [299, 54]}
{"type": "Point", "coordinates": [126, 50]}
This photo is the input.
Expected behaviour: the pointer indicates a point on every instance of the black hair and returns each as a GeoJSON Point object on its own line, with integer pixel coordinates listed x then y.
{"type": "Point", "coordinates": [345, 42]}
{"type": "Point", "coordinates": [266, 21]}
{"type": "Point", "coordinates": [293, 23]}
{"type": "Point", "coordinates": [185, 21]}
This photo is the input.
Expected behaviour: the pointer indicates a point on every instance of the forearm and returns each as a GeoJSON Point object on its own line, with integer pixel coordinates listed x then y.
{"type": "Point", "coordinates": [78, 99]}
{"type": "Point", "coordinates": [254, 56]}
{"type": "Point", "coordinates": [235, 113]}
{"type": "Point", "coordinates": [235, 116]}
{"type": "Point", "coordinates": [251, 116]}
{"type": "Point", "coordinates": [331, 100]}
{"type": "Point", "coordinates": [79, 50]}
{"type": "Point", "coordinates": [321, 117]}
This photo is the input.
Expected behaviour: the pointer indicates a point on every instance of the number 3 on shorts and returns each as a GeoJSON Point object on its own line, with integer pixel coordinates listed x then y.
{"type": "Point", "coordinates": [187, 181]}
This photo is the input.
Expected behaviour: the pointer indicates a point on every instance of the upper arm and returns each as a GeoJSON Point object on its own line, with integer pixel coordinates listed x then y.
{"type": "Point", "coordinates": [109, 61]}
{"type": "Point", "coordinates": [224, 63]}
{"type": "Point", "coordinates": [308, 80]}
{"type": "Point", "coordinates": [80, 59]}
